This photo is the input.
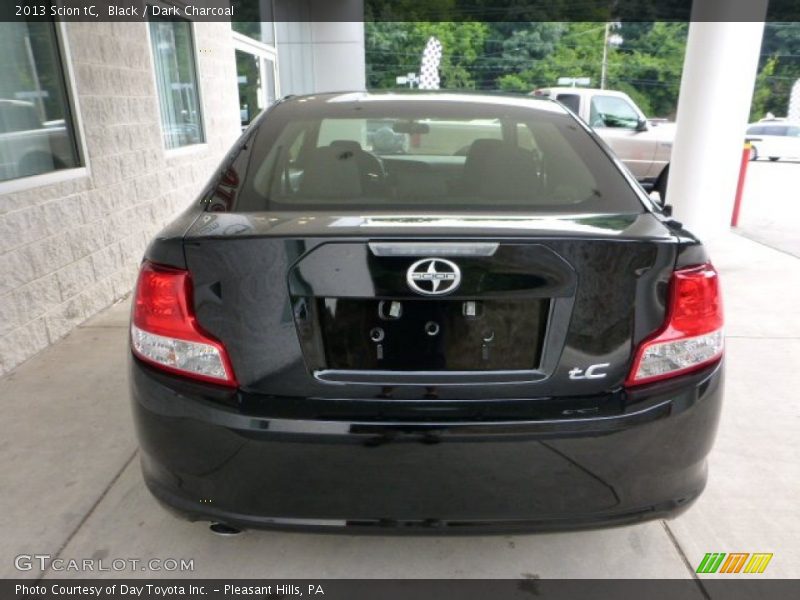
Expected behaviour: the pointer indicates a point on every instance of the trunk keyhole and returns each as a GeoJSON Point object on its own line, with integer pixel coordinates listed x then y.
{"type": "Point", "coordinates": [432, 328]}
{"type": "Point", "coordinates": [376, 334]}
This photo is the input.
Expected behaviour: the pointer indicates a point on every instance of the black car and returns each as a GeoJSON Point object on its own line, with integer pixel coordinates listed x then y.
{"type": "Point", "coordinates": [489, 327]}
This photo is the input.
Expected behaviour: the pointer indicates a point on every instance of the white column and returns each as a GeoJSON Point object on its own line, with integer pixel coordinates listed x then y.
{"type": "Point", "coordinates": [320, 45]}
{"type": "Point", "coordinates": [339, 56]}
{"type": "Point", "coordinates": [719, 73]}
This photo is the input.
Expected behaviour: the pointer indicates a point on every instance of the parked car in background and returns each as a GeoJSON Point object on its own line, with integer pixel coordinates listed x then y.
{"type": "Point", "coordinates": [426, 312]}
{"type": "Point", "coordinates": [774, 139]}
{"type": "Point", "coordinates": [643, 144]}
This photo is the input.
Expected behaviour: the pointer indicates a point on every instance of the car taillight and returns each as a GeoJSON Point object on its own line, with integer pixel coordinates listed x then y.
{"type": "Point", "coordinates": [165, 332]}
{"type": "Point", "coordinates": [692, 335]}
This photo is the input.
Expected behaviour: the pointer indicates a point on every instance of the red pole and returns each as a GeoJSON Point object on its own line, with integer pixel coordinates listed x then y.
{"type": "Point", "coordinates": [737, 203]}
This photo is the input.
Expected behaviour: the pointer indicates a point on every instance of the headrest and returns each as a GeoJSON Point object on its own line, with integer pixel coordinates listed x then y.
{"type": "Point", "coordinates": [495, 169]}
{"type": "Point", "coordinates": [332, 172]}
{"type": "Point", "coordinates": [484, 145]}
{"type": "Point", "coordinates": [344, 145]}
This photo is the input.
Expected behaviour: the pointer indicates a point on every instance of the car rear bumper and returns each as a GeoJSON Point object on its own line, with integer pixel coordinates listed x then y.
{"type": "Point", "coordinates": [206, 461]}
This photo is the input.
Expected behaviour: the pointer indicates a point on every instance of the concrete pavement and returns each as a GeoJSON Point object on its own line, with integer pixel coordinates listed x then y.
{"type": "Point", "coordinates": [74, 489]}
{"type": "Point", "coordinates": [71, 485]}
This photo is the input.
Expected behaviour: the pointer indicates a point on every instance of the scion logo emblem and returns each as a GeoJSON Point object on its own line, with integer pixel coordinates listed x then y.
{"type": "Point", "coordinates": [433, 276]}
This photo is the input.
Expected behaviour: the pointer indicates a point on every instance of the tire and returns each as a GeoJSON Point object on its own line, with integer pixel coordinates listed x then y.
{"type": "Point", "coordinates": [774, 158]}
{"type": "Point", "coordinates": [661, 185]}
{"type": "Point", "coordinates": [753, 154]}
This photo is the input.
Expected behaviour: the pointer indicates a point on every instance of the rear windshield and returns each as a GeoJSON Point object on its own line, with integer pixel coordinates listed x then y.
{"type": "Point", "coordinates": [426, 156]}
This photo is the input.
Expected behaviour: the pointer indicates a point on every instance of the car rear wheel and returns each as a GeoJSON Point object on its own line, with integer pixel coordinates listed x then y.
{"type": "Point", "coordinates": [753, 153]}
{"type": "Point", "coordinates": [774, 158]}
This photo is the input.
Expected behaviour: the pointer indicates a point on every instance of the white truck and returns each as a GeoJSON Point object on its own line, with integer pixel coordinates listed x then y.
{"type": "Point", "coordinates": [643, 144]}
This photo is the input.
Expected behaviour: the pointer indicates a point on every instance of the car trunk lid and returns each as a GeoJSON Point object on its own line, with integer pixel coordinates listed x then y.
{"type": "Point", "coordinates": [324, 306]}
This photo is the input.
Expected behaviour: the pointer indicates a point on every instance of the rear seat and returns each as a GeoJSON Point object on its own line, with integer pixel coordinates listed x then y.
{"type": "Point", "coordinates": [416, 179]}
{"type": "Point", "coordinates": [496, 169]}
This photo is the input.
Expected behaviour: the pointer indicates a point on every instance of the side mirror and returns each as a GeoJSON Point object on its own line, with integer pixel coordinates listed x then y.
{"type": "Point", "coordinates": [641, 125]}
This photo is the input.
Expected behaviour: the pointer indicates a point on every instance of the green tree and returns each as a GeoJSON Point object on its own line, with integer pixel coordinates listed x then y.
{"type": "Point", "coordinates": [779, 68]}
{"type": "Point", "coordinates": [521, 56]}
{"type": "Point", "coordinates": [512, 48]}
{"type": "Point", "coordinates": [394, 49]}
{"type": "Point", "coordinates": [648, 66]}
{"type": "Point", "coordinates": [763, 94]}
{"type": "Point", "coordinates": [577, 52]}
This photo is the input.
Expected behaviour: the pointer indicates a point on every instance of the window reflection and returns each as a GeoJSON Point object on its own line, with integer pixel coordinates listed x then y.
{"type": "Point", "coordinates": [176, 79]}
{"type": "Point", "coordinates": [36, 128]}
{"type": "Point", "coordinates": [256, 76]}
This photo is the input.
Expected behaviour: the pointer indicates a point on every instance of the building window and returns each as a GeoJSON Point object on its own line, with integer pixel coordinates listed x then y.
{"type": "Point", "coordinates": [37, 132]}
{"type": "Point", "coordinates": [176, 80]}
{"type": "Point", "coordinates": [256, 60]}
{"type": "Point", "coordinates": [257, 90]}
{"type": "Point", "coordinates": [262, 29]}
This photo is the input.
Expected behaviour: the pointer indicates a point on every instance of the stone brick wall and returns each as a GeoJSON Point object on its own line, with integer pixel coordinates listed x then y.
{"type": "Point", "coordinates": [70, 249]}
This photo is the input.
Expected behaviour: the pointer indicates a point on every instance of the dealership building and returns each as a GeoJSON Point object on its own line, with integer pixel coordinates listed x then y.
{"type": "Point", "coordinates": [108, 129]}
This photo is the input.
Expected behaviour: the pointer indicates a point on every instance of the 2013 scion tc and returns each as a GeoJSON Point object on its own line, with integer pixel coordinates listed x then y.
{"type": "Point", "coordinates": [424, 312]}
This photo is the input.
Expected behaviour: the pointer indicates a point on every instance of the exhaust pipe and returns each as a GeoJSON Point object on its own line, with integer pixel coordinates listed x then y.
{"type": "Point", "coordinates": [224, 530]}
